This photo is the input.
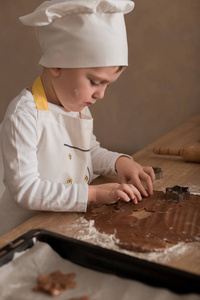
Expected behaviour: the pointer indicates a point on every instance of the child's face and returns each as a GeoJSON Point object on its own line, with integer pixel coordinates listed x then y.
{"type": "Point", "coordinates": [75, 89]}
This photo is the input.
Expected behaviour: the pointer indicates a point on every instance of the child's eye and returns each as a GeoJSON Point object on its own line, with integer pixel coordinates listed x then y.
{"type": "Point", "coordinates": [93, 83]}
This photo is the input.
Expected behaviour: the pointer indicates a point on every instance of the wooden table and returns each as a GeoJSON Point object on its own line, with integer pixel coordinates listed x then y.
{"type": "Point", "coordinates": [175, 172]}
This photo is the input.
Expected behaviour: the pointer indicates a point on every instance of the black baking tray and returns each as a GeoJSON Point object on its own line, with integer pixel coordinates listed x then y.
{"type": "Point", "coordinates": [107, 261]}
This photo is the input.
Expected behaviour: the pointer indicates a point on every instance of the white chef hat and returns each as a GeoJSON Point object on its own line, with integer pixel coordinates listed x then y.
{"type": "Point", "coordinates": [81, 33]}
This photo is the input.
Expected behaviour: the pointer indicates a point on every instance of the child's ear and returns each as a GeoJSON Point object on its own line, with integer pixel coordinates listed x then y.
{"type": "Point", "coordinates": [55, 72]}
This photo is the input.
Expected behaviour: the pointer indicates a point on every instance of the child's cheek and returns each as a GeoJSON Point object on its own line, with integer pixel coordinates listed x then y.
{"type": "Point", "coordinates": [85, 94]}
{"type": "Point", "coordinates": [76, 93]}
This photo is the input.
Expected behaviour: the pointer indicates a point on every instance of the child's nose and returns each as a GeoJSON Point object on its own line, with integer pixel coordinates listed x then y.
{"type": "Point", "coordinates": [99, 93]}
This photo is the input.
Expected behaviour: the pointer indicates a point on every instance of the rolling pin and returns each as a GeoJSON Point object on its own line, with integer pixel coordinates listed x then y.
{"type": "Point", "coordinates": [189, 153]}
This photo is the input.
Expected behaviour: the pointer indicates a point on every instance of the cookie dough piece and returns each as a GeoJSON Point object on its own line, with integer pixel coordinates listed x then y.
{"type": "Point", "coordinates": [55, 283]}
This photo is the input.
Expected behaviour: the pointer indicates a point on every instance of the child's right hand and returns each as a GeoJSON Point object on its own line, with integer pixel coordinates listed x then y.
{"type": "Point", "coordinates": [111, 192]}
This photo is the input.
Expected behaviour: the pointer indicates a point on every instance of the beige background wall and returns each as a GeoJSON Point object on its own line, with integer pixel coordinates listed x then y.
{"type": "Point", "coordinates": [158, 91]}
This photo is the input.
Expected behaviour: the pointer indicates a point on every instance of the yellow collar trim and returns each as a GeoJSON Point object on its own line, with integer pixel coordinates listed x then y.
{"type": "Point", "coordinates": [39, 95]}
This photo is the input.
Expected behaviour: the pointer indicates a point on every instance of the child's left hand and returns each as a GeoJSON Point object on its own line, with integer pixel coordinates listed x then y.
{"type": "Point", "coordinates": [129, 170]}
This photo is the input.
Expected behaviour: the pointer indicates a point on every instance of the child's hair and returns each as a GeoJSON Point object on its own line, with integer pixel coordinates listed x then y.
{"type": "Point", "coordinates": [120, 68]}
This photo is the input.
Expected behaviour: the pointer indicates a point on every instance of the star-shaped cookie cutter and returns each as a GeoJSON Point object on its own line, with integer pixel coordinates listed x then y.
{"type": "Point", "coordinates": [177, 193]}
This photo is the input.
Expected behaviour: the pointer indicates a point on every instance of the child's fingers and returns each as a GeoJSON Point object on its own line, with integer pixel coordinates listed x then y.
{"type": "Point", "coordinates": [149, 186]}
{"type": "Point", "coordinates": [128, 192]}
{"type": "Point", "coordinates": [150, 172]}
{"type": "Point", "coordinates": [123, 196]}
{"type": "Point", "coordinates": [137, 194]}
{"type": "Point", "coordinates": [145, 177]}
{"type": "Point", "coordinates": [138, 184]}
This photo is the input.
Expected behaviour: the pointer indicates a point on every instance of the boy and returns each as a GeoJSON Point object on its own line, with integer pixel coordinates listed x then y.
{"type": "Point", "coordinates": [49, 151]}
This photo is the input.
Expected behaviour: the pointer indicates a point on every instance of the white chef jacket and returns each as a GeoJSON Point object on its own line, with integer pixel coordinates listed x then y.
{"type": "Point", "coordinates": [26, 193]}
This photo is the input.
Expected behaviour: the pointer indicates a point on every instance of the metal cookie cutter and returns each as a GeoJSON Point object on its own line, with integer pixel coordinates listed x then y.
{"type": "Point", "coordinates": [177, 193]}
{"type": "Point", "coordinates": [158, 173]}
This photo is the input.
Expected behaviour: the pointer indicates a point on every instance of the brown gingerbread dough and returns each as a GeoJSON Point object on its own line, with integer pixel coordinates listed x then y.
{"type": "Point", "coordinates": [55, 283]}
{"type": "Point", "coordinates": [151, 225]}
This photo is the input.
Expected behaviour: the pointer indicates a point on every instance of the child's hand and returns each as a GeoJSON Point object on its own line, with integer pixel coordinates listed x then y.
{"type": "Point", "coordinates": [128, 169]}
{"type": "Point", "coordinates": [111, 192]}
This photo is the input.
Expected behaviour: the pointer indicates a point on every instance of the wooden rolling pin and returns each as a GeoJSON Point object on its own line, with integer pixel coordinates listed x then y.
{"type": "Point", "coordinates": [190, 153]}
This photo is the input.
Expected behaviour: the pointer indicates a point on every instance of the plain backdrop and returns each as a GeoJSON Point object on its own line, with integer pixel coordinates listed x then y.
{"type": "Point", "coordinates": [158, 91]}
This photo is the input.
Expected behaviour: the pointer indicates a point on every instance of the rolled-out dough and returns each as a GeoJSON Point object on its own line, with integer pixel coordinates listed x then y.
{"type": "Point", "coordinates": [152, 225]}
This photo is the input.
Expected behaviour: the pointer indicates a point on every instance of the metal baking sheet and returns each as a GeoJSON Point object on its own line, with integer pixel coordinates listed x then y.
{"type": "Point", "coordinates": [107, 261]}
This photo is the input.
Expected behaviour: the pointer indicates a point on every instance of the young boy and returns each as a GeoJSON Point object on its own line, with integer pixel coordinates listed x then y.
{"type": "Point", "coordinates": [49, 151]}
